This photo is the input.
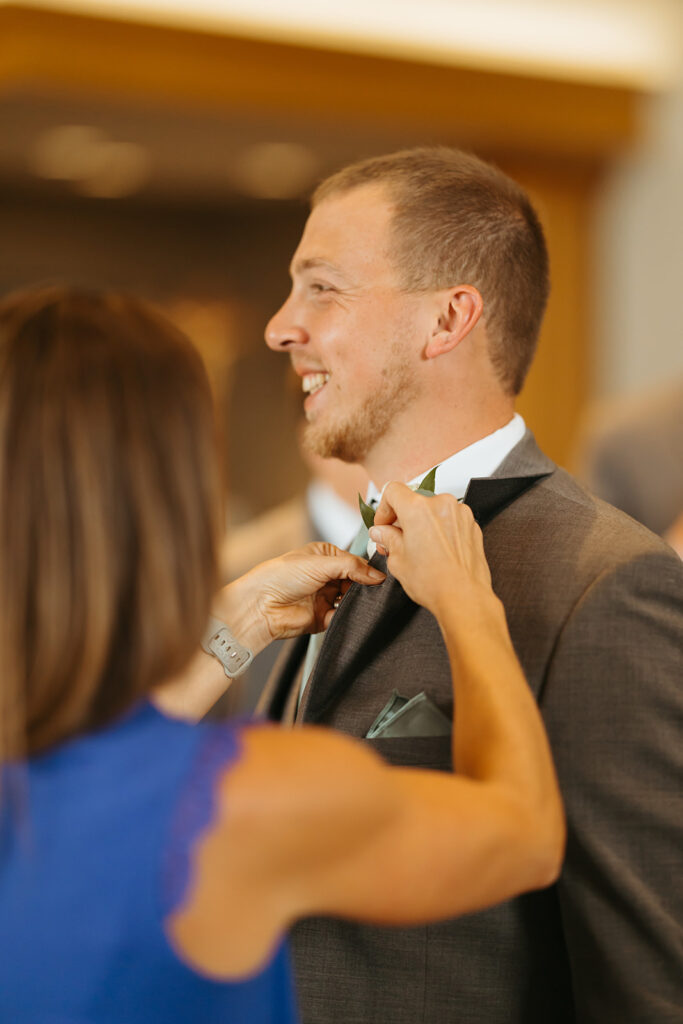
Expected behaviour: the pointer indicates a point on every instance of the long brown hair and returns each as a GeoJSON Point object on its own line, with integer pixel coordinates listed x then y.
{"type": "Point", "coordinates": [460, 220]}
{"type": "Point", "coordinates": [110, 511]}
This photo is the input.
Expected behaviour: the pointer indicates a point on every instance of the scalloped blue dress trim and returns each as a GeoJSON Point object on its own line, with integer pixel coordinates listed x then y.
{"type": "Point", "coordinates": [219, 747]}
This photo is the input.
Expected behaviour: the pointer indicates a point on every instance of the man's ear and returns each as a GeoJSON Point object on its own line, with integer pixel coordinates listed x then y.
{"type": "Point", "coordinates": [460, 310]}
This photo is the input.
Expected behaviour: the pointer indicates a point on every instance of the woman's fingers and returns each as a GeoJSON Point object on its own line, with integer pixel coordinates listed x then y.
{"type": "Point", "coordinates": [302, 573]}
{"type": "Point", "coordinates": [431, 542]}
{"type": "Point", "coordinates": [365, 573]}
{"type": "Point", "coordinates": [387, 538]}
{"type": "Point", "coordinates": [343, 566]}
{"type": "Point", "coordinates": [296, 592]}
{"type": "Point", "coordinates": [396, 496]}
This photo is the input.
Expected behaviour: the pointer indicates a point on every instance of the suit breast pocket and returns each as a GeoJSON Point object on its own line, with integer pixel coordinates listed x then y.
{"type": "Point", "coordinates": [415, 751]}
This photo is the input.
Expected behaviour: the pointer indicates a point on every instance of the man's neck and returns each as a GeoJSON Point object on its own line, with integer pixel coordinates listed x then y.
{"type": "Point", "coordinates": [392, 459]}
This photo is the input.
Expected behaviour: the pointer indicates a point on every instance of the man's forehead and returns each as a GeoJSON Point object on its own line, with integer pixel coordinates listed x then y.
{"type": "Point", "coordinates": [345, 229]}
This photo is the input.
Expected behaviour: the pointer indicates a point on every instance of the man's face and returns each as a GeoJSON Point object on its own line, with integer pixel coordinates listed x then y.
{"type": "Point", "coordinates": [353, 336]}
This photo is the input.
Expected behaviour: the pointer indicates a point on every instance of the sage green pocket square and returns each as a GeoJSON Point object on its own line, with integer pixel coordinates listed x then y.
{"type": "Point", "coordinates": [409, 716]}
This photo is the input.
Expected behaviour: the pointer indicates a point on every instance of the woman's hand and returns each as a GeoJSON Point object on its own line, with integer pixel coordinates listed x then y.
{"type": "Point", "coordinates": [283, 597]}
{"type": "Point", "coordinates": [292, 594]}
{"type": "Point", "coordinates": [433, 545]}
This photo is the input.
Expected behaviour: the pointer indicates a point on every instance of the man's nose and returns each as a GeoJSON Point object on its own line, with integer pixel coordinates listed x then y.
{"type": "Point", "coordinates": [283, 332]}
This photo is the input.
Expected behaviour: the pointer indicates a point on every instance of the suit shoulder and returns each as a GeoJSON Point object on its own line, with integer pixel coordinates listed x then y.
{"type": "Point", "coordinates": [561, 518]}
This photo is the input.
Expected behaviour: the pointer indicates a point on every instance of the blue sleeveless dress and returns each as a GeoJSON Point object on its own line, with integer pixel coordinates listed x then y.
{"type": "Point", "coordinates": [93, 859]}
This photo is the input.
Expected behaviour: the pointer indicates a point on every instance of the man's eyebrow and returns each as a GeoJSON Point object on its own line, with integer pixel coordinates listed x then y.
{"type": "Point", "coordinates": [313, 263]}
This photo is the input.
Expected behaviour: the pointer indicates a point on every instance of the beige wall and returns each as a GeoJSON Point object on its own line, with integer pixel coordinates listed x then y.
{"type": "Point", "coordinates": [639, 258]}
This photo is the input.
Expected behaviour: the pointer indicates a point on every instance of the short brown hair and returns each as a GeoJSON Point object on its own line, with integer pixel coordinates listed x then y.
{"type": "Point", "coordinates": [110, 512]}
{"type": "Point", "coordinates": [459, 220]}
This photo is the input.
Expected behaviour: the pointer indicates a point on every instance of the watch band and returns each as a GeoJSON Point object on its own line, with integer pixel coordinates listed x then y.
{"type": "Point", "coordinates": [219, 641]}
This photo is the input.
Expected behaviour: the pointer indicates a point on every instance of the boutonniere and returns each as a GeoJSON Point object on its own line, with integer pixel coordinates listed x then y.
{"type": "Point", "coordinates": [367, 512]}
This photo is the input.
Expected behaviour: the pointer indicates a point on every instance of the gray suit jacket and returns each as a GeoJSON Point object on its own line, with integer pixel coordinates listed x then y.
{"type": "Point", "coordinates": [595, 608]}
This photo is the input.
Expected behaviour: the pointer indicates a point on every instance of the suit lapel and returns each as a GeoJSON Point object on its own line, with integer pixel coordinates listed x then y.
{"type": "Point", "coordinates": [524, 466]}
{"type": "Point", "coordinates": [273, 700]}
{"type": "Point", "coordinates": [488, 496]}
{"type": "Point", "coordinates": [364, 624]}
{"type": "Point", "coordinates": [525, 459]}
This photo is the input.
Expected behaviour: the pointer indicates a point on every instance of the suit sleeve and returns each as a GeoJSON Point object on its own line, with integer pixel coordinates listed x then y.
{"type": "Point", "coordinates": [613, 705]}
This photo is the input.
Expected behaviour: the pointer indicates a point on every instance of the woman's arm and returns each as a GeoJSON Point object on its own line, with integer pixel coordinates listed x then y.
{"type": "Point", "coordinates": [314, 822]}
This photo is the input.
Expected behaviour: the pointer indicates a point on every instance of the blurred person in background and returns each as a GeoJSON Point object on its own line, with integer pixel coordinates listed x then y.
{"type": "Point", "coordinates": [149, 866]}
{"type": "Point", "coordinates": [418, 292]}
{"type": "Point", "coordinates": [631, 454]}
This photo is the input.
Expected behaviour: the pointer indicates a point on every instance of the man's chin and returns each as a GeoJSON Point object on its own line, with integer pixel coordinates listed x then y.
{"type": "Point", "coordinates": [338, 443]}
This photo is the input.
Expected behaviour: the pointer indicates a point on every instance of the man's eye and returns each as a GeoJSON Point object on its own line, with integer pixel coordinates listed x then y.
{"type": "Point", "coordinates": [318, 287]}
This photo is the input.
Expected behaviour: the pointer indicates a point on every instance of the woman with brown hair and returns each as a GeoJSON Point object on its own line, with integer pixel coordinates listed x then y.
{"type": "Point", "coordinates": [149, 867]}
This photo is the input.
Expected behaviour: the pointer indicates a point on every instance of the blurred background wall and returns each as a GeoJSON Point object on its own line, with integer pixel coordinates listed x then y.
{"type": "Point", "coordinates": [639, 255]}
{"type": "Point", "coordinates": [169, 151]}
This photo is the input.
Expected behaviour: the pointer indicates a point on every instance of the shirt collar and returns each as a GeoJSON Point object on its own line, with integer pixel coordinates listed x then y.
{"type": "Point", "coordinates": [480, 459]}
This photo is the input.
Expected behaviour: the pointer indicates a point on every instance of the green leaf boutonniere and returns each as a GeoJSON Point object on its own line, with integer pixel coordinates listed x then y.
{"type": "Point", "coordinates": [425, 486]}
{"type": "Point", "coordinates": [367, 512]}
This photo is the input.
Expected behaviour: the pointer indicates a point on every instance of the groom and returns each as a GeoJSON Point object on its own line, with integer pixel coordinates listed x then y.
{"type": "Point", "coordinates": [419, 287]}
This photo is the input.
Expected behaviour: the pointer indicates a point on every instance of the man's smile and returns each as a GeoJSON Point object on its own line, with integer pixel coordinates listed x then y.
{"type": "Point", "coordinates": [313, 385]}
{"type": "Point", "coordinates": [312, 382]}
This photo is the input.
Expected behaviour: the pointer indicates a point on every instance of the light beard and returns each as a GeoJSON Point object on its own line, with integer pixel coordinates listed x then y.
{"type": "Point", "coordinates": [352, 437]}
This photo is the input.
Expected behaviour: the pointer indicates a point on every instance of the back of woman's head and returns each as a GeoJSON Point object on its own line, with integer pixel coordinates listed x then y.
{"type": "Point", "coordinates": [110, 511]}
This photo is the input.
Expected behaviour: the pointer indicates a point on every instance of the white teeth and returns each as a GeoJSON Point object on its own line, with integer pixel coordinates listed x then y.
{"type": "Point", "coordinates": [312, 382]}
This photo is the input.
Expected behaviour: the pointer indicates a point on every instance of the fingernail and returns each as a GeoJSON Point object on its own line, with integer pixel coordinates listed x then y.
{"type": "Point", "coordinates": [375, 573]}
{"type": "Point", "coordinates": [375, 534]}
